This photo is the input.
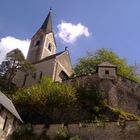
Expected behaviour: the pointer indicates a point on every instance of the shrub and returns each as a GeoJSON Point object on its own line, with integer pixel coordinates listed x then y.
{"type": "Point", "coordinates": [42, 98]}
{"type": "Point", "coordinates": [44, 136]}
{"type": "Point", "coordinates": [62, 134]}
{"type": "Point", "coordinates": [122, 115]}
{"type": "Point", "coordinates": [24, 132]}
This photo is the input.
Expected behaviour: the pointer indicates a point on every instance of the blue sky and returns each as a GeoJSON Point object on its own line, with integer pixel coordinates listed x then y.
{"type": "Point", "coordinates": [111, 24]}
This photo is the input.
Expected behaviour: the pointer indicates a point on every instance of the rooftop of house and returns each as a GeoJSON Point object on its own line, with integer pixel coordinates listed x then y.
{"type": "Point", "coordinates": [7, 104]}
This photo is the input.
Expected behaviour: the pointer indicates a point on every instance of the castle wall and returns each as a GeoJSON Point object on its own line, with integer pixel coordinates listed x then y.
{"type": "Point", "coordinates": [120, 92]}
{"type": "Point", "coordinates": [129, 130]}
{"type": "Point", "coordinates": [128, 93]}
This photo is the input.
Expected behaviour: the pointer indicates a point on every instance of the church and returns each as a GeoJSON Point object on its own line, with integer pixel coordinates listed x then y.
{"type": "Point", "coordinates": [42, 54]}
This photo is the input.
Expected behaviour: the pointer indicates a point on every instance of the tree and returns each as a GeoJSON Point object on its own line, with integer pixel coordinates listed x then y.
{"type": "Point", "coordinates": [88, 64]}
{"type": "Point", "coordinates": [15, 61]}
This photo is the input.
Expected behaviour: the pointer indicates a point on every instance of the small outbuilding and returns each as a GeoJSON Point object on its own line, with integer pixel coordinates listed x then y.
{"type": "Point", "coordinates": [9, 117]}
{"type": "Point", "coordinates": [107, 70]}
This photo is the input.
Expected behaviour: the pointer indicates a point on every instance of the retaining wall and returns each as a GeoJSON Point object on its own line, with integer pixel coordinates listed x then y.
{"type": "Point", "coordinates": [129, 130]}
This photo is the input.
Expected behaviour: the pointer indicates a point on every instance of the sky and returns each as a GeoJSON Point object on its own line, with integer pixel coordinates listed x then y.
{"type": "Point", "coordinates": [81, 25]}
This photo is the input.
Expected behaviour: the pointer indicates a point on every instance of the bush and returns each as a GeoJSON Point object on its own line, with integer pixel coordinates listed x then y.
{"type": "Point", "coordinates": [24, 132]}
{"type": "Point", "coordinates": [42, 98]}
{"type": "Point", "coordinates": [44, 136]}
{"type": "Point", "coordinates": [62, 134]}
{"type": "Point", "coordinates": [122, 115]}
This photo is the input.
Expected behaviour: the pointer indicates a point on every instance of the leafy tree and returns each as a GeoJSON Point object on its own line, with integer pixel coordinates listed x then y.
{"type": "Point", "coordinates": [88, 64]}
{"type": "Point", "coordinates": [15, 61]}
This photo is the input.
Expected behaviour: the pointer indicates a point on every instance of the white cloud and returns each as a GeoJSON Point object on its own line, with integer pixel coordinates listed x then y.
{"type": "Point", "coordinates": [70, 32]}
{"type": "Point", "coordinates": [9, 43]}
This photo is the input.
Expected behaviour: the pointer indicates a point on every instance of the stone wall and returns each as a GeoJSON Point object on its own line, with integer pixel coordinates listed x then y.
{"type": "Point", "coordinates": [120, 92]}
{"type": "Point", "coordinates": [129, 130]}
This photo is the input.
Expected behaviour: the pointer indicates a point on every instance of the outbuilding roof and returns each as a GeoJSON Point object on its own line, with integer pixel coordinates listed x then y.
{"type": "Point", "coordinates": [7, 104]}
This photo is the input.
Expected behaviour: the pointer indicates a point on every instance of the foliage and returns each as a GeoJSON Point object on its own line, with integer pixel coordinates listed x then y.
{"type": "Point", "coordinates": [91, 99]}
{"type": "Point", "coordinates": [24, 132]}
{"type": "Point", "coordinates": [44, 135]}
{"type": "Point", "coordinates": [4, 88]}
{"type": "Point", "coordinates": [122, 115]}
{"type": "Point", "coordinates": [88, 64]}
{"type": "Point", "coordinates": [90, 93]}
{"type": "Point", "coordinates": [14, 61]}
{"type": "Point", "coordinates": [42, 98]}
{"type": "Point", "coordinates": [49, 102]}
{"type": "Point", "coordinates": [62, 134]}
{"type": "Point", "coordinates": [18, 61]}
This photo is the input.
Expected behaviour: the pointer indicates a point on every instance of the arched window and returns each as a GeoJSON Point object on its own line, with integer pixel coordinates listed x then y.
{"type": "Point", "coordinates": [5, 123]}
{"type": "Point", "coordinates": [49, 47]}
{"type": "Point", "coordinates": [34, 75]}
{"type": "Point", "coordinates": [138, 106]}
{"type": "Point", "coordinates": [37, 43]}
{"type": "Point", "coordinates": [25, 78]}
{"type": "Point", "coordinates": [40, 77]}
{"type": "Point", "coordinates": [63, 75]}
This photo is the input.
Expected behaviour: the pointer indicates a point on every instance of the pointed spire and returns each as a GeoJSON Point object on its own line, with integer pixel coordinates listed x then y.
{"type": "Point", "coordinates": [47, 25]}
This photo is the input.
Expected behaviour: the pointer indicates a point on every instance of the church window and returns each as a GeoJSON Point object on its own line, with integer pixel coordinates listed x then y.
{"type": "Point", "coordinates": [40, 75]}
{"type": "Point", "coordinates": [37, 43]}
{"type": "Point", "coordinates": [106, 72]}
{"type": "Point", "coordinates": [25, 78]}
{"type": "Point", "coordinates": [63, 75]}
{"type": "Point", "coordinates": [138, 106]}
{"type": "Point", "coordinates": [5, 123]}
{"type": "Point", "coordinates": [49, 47]}
{"type": "Point", "coordinates": [1, 110]}
{"type": "Point", "coordinates": [34, 75]}
{"type": "Point", "coordinates": [14, 122]}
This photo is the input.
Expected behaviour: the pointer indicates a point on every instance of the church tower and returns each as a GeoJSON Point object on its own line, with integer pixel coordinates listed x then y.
{"type": "Point", "coordinates": [42, 54]}
{"type": "Point", "coordinates": [43, 42]}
